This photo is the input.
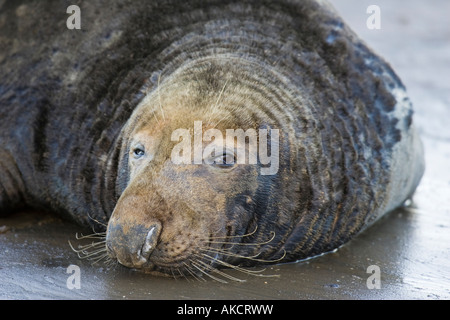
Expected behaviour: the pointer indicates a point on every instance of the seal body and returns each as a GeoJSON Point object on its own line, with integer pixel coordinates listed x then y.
{"type": "Point", "coordinates": [90, 120]}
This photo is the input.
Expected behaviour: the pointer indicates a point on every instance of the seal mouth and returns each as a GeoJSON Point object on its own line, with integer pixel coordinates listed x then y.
{"type": "Point", "coordinates": [191, 261]}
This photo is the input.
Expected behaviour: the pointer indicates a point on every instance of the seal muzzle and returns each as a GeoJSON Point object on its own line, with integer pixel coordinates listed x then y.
{"type": "Point", "coordinates": [132, 245]}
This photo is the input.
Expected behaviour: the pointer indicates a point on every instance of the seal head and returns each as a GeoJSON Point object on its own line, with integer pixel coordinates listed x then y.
{"type": "Point", "coordinates": [192, 215]}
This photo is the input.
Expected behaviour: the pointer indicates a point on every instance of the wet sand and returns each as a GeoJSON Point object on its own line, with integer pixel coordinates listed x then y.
{"type": "Point", "coordinates": [411, 246]}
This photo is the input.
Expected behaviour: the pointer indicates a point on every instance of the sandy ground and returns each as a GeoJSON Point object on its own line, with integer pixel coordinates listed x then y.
{"type": "Point", "coordinates": [411, 246]}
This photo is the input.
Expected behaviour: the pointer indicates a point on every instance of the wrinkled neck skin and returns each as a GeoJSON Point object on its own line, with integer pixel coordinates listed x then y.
{"type": "Point", "coordinates": [191, 216]}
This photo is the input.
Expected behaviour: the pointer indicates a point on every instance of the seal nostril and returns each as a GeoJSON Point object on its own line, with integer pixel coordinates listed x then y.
{"type": "Point", "coordinates": [150, 242]}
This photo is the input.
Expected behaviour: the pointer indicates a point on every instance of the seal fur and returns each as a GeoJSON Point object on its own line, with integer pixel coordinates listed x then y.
{"type": "Point", "coordinates": [74, 104]}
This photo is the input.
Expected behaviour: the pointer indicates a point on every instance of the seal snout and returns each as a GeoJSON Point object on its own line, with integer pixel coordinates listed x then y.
{"type": "Point", "coordinates": [132, 245]}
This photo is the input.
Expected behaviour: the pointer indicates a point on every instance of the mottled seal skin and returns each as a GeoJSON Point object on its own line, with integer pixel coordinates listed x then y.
{"type": "Point", "coordinates": [86, 120]}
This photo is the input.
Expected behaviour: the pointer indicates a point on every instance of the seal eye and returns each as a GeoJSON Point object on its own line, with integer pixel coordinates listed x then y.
{"type": "Point", "coordinates": [138, 153]}
{"type": "Point", "coordinates": [225, 160]}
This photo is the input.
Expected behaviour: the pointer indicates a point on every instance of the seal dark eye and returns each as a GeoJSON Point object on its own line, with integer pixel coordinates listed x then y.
{"type": "Point", "coordinates": [138, 153]}
{"type": "Point", "coordinates": [225, 160]}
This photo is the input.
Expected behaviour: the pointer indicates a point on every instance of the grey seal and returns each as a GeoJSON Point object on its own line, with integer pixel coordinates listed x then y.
{"type": "Point", "coordinates": [88, 118]}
